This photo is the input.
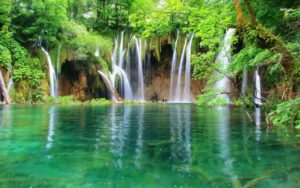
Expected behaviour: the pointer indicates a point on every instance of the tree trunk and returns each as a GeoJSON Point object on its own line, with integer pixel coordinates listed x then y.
{"type": "Point", "coordinates": [3, 90]}
{"type": "Point", "coordinates": [239, 11]}
{"type": "Point", "coordinates": [250, 12]}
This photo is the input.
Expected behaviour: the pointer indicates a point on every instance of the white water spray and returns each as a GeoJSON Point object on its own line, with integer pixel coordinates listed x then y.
{"type": "Point", "coordinates": [224, 57]}
{"type": "Point", "coordinates": [187, 80]}
{"type": "Point", "coordinates": [178, 85]}
{"type": "Point", "coordinates": [52, 74]}
{"type": "Point", "coordinates": [183, 92]}
{"type": "Point", "coordinates": [173, 69]}
{"type": "Point", "coordinates": [257, 92]}
{"type": "Point", "coordinates": [118, 72]}
{"type": "Point", "coordinates": [244, 82]}
{"type": "Point", "coordinates": [11, 81]}
{"type": "Point", "coordinates": [141, 93]}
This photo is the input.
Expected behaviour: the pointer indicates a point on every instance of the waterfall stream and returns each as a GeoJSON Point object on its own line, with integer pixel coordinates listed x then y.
{"type": "Point", "coordinates": [130, 66]}
{"type": "Point", "coordinates": [173, 69]}
{"type": "Point", "coordinates": [257, 91]}
{"type": "Point", "coordinates": [118, 71]}
{"type": "Point", "coordinates": [187, 80]}
{"type": "Point", "coordinates": [52, 75]}
{"type": "Point", "coordinates": [223, 85]}
{"type": "Point", "coordinates": [244, 82]}
{"type": "Point", "coordinates": [11, 81]}
{"type": "Point", "coordinates": [182, 91]}
{"type": "Point", "coordinates": [140, 93]}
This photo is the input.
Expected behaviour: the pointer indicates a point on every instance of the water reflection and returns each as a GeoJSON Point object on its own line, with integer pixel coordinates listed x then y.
{"type": "Point", "coordinates": [119, 118]}
{"type": "Point", "coordinates": [51, 128]}
{"type": "Point", "coordinates": [139, 142]}
{"type": "Point", "coordinates": [180, 131]}
{"type": "Point", "coordinates": [258, 123]}
{"type": "Point", "coordinates": [5, 122]}
{"type": "Point", "coordinates": [223, 136]}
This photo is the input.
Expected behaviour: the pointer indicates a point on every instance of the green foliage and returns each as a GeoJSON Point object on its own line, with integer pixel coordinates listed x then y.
{"type": "Point", "coordinates": [100, 101]}
{"type": "Point", "coordinates": [62, 100]}
{"type": "Point", "coordinates": [204, 65]}
{"type": "Point", "coordinates": [252, 57]}
{"type": "Point", "coordinates": [103, 64]}
{"type": "Point", "coordinates": [5, 57]}
{"type": "Point", "coordinates": [85, 45]}
{"type": "Point", "coordinates": [209, 22]}
{"type": "Point", "coordinates": [24, 66]}
{"type": "Point", "coordinates": [287, 114]}
{"type": "Point", "coordinates": [70, 100]}
{"type": "Point", "coordinates": [152, 21]}
{"type": "Point", "coordinates": [35, 18]}
{"type": "Point", "coordinates": [270, 13]}
{"type": "Point", "coordinates": [292, 14]}
{"type": "Point", "coordinates": [211, 98]}
{"type": "Point", "coordinates": [5, 8]}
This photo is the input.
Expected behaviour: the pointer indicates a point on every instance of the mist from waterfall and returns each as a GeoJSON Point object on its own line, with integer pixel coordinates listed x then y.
{"type": "Point", "coordinates": [223, 85]}
{"type": "Point", "coordinates": [257, 90]}
{"type": "Point", "coordinates": [52, 75]}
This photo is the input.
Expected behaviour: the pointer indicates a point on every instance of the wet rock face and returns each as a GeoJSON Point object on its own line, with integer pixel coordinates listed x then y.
{"type": "Point", "coordinates": [80, 80]}
{"type": "Point", "coordinates": [158, 89]}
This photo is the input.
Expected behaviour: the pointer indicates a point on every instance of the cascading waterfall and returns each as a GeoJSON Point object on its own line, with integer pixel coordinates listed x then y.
{"type": "Point", "coordinates": [140, 96]}
{"type": "Point", "coordinates": [173, 69]}
{"type": "Point", "coordinates": [52, 74]}
{"type": "Point", "coordinates": [178, 84]}
{"type": "Point", "coordinates": [187, 80]}
{"type": "Point", "coordinates": [11, 81]}
{"type": "Point", "coordinates": [257, 92]}
{"type": "Point", "coordinates": [183, 93]}
{"type": "Point", "coordinates": [118, 71]}
{"type": "Point", "coordinates": [244, 82]}
{"type": "Point", "coordinates": [224, 57]}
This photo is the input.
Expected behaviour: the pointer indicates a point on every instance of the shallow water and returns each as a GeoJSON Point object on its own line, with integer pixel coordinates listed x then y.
{"type": "Point", "coordinates": [143, 146]}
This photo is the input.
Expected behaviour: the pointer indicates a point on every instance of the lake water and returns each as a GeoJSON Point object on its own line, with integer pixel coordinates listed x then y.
{"type": "Point", "coordinates": [143, 146]}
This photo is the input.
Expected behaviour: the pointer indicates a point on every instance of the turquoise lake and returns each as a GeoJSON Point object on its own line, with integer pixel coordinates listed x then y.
{"type": "Point", "coordinates": [172, 145]}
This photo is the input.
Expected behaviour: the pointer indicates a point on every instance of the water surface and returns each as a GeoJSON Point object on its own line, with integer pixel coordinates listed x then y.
{"type": "Point", "coordinates": [143, 146]}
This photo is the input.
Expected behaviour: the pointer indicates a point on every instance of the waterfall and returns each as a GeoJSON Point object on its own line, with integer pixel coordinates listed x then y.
{"type": "Point", "coordinates": [244, 82]}
{"type": "Point", "coordinates": [182, 94]}
{"type": "Point", "coordinates": [121, 50]}
{"type": "Point", "coordinates": [224, 57]}
{"type": "Point", "coordinates": [187, 80]}
{"type": "Point", "coordinates": [257, 92]}
{"type": "Point", "coordinates": [97, 52]}
{"type": "Point", "coordinates": [108, 84]}
{"type": "Point", "coordinates": [11, 81]}
{"type": "Point", "coordinates": [120, 63]}
{"type": "Point", "coordinates": [173, 69]}
{"type": "Point", "coordinates": [140, 96]}
{"type": "Point", "coordinates": [178, 85]}
{"type": "Point", "coordinates": [118, 71]}
{"type": "Point", "coordinates": [52, 75]}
